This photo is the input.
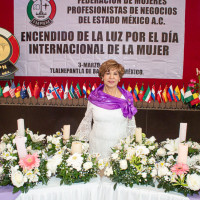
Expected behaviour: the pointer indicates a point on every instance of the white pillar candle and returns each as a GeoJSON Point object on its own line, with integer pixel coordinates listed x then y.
{"type": "Point", "coordinates": [21, 147]}
{"type": "Point", "coordinates": [20, 126]}
{"type": "Point", "coordinates": [138, 135]}
{"type": "Point", "coordinates": [76, 147]}
{"type": "Point", "coordinates": [182, 153]}
{"type": "Point", "coordinates": [182, 132]}
{"type": "Point", "coordinates": [66, 132]}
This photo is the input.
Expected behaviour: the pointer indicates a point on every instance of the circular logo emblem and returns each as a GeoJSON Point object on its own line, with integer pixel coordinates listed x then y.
{"type": "Point", "coordinates": [9, 53]}
{"type": "Point", "coordinates": [41, 12]}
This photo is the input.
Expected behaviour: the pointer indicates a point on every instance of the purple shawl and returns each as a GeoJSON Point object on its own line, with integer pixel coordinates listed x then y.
{"type": "Point", "coordinates": [106, 101]}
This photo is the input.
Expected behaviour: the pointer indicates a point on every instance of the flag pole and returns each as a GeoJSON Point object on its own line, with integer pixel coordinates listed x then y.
{"type": "Point", "coordinates": [61, 103]}
{"type": "Point", "coordinates": [37, 103]}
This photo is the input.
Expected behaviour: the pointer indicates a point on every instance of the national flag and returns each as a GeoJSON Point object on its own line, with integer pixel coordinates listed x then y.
{"type": "Point", "coordinates": [18, 90]}
{"type": "Point", "coordinates": [12, 90]}
{"type": "Point", "coordinates": [36, 91]}
{"type": "Point", "coordinates": [188, 95]}
{"type": "Point", "coordinates": [123, 86]}
{"type": "Point", "coordinates": [147, 95]}
{"type": "Point", "coordinates": [89, 89]}
{"type": "Point", "coordinates": [94, 86]}
{"type": "Point", "coordinates": [23, 92]}
{"type": "Point", "coordinates": [159, 94]}
{"type": "Point", "coordinates": [71, 92]}
{"type": "Point", "coordinates": [78, 90]}
{"type": "Point", "coordinates": [129, 89]}
{"type": "Point", "coordinates": [1, 91]}
{"type": "Point", "coordinates": [61, 91]}
{"type": "Point", "coordinates": [170, 93]}
{"type": "Point", "coordinates": [55, 91]}
{"type": "Point", "coordinates": [42, 91]}
{"type": "Point", "coordinates": [183, 94]}
{"type": "Point", "coordinates": [141, 93]}
{"type": "Point", "coordinates": [177, 94]}
{"type": "Point", "coordinates": [66, 91]}
{"type": "Point", "coordinates": [164, 94]}
{"type": "Point", "coordinates": [49, 91]}
{"type": "Point", "coordinates": [6, 90]}
{"type": "Point", "coordinates": [135, 93]}
{"type": "Point", "coordinates": [30, 90]}
{"type": "Point", "coordinates": [84, 90]}
{"type": "Point", "coordinates": [153, 92]}
{"type": "Point", "coordinates": [195, 100]}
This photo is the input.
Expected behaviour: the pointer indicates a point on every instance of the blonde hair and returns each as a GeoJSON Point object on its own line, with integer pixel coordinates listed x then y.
{"type": "Point", "coordinates": [111, 64]}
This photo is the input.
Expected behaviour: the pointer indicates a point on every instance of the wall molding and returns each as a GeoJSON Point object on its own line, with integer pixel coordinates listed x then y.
{"type": "Point", "coordinates": [83, 103]}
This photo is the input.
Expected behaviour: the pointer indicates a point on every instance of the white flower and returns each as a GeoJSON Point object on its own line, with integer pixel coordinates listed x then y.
{"type": "Point", "coordinates": [87, 165]}
{"type": "Point", "coordinates": [53, 163]}
{"type": "Point", "coordinates": [144, 174]}
{"type": "Point", "coordinates": [152, 147]}
{"type": "Point", "coordinates": [17, 178]}
{"type": "Point", "coordinates": [130, 152]}
{"type": "Point", "coordinates": [115, 156]}
{"type": "Point", "coordinates": [4, 138]}
{"type": "Point", "coordinates": [58, 133]}
{"type": "Point", "coordinates": [172, 146]}
{"type": "Point", "coordinates": [141, 150]}
{"type": "Point", "coordinates": [2, 147]}
{"type": "Point", "coordinates": [144, 160]}
{"type": "Point", "coordinates": [173, 177]}
{"type": "Point", "coordinates": [118, 146]}
{"type": "Point", "coordinates": [150, 141]}
{"type": "Point", "coordinates": [108, 171]}
{"type": "Point", "coordinates": [75, 161]}
{"type": "Point", "coordinates": [162, 171]}
{"type": "Point", "coordinates": [161, 152]}
{"type": "Point", "coordinates": [193, 181]}
{"type": "Point", "coordinates": [101, 164]}
{"type": "Point", "coordinates": [49, 138]}
{"type": "Point", "coordinates": [152, 160]}
{"type": "Point", "coordinates": [56, 141]}
{"type": "Point", "coordinates": [34, 178]}
{"type": "Point", "coordinates": [1, 170]}
{"type": "Point", "coordinates": [123, 164]}
{"type": "Point", "coordinates": [36, 137]}
{"type": "Point", "coordinates": [49, 146]}
{"type": "Point", "coordinates": [170, 159]}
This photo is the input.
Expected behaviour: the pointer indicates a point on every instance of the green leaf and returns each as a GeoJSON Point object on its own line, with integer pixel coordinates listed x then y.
{"type": "Point", "coordinates": [115, 186]}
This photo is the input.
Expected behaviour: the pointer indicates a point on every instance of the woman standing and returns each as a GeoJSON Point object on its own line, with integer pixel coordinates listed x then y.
{"type": "Point", "coordinates": [111, 109]}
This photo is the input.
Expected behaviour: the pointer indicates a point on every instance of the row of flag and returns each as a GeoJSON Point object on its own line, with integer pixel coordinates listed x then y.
{"type": "Point", "coordinates": [64, 92]}
{"type": "Point", "coordinates": [164, 95]}
{"type": "Point", "coordinates": [52, 92]}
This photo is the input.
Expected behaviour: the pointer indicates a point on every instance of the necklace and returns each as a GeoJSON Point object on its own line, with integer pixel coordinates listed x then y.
{"type": "Point", "coordinates": [109, 92]}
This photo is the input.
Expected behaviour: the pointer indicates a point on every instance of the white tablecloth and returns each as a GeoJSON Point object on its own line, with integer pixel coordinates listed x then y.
{"type": "Point", "coordinates": [97, 189]}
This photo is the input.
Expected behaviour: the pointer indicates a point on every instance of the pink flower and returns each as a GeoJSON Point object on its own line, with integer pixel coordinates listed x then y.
{"type": "Point", "coordinates": [180, 168]}
{"type": "Point", "coordinates": [191, 85]}
{"type": "Point", "coordinates": [30, 161]}
{"type": "Point", "coordinates": [193, 81]}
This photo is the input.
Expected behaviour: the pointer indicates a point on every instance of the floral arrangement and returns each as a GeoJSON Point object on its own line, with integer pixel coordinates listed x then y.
{"type": "Point", "coordinates": [23, 173]}
{"type": "Point", "coordinates": [77, 168]}
{"type": "Point", "coordinates": [182, 178]}
{"type": "Point", "coordinates": [70, 168]}
{"type": "Point", "coordinates": [133, 163]}
{"type": "Point", "coordinates": [195, 89]}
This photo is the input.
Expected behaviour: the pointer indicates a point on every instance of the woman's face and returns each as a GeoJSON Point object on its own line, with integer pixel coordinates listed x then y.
{"type": "Point", "coordinates": [111, 78]}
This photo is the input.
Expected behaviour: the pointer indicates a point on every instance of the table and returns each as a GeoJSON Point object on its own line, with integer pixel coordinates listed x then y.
{"type": "Point", "coordinates": [97, 189]}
